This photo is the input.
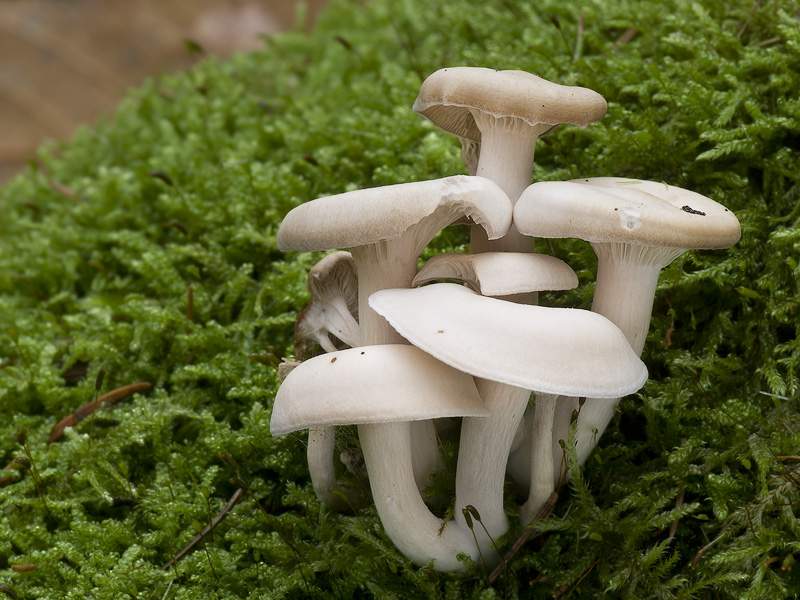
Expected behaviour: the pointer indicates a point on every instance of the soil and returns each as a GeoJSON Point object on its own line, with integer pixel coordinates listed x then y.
{"type": "Point", "coordinates": [65, 62]}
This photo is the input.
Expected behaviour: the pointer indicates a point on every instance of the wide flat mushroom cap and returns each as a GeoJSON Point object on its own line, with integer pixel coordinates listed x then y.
{"type": "Point", "coordinates": [562, 351]}
{"type": "Point", "coordinates": [500, 273]}
{"type": "Point", "coordinates": [372, 384]}
{"type": "Point", "coordinates": [387, 213]}
{"type": "Point", "coordinates": [447, 96]}
{"type": "Point", "coordinates": [615, 209]}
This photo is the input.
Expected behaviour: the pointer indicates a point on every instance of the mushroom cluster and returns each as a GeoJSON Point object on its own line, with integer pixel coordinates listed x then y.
{"type": "Point", "coordinates": [406, 348]}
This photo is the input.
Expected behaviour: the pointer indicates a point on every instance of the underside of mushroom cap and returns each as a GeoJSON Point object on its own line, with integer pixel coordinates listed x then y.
{"type": "Point", "coordinates": [335, 275]}
{"type": "Point", "coordinates": [447, 96]}
{"type": "Point", "coordinates": [387, 213]}
{"type": "Point", "coordinates": [562, 351]}
{"type": "Point", "coordinates": [500, 273]}
{"type": "Point", "coordinates": [615, 209]}
{"type": "Point", "coordinates": [372, 384]}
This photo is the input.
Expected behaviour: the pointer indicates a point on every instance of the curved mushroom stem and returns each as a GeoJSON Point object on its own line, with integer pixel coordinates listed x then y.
{"type": "Point", "coordinates": [482, 457]}
{"type": "Point", "coordinates": [416, 532]}
{"type": "Point", "coordinates": [542, 469]}
{"type": "Point", "coordinates": [320, 454]}
{"type": "Point", "coordinates": [378, 269]}
{"type": "Point", "coordinates": [627, 277]}
{"type": "Point", "coordinates": [321, 440]}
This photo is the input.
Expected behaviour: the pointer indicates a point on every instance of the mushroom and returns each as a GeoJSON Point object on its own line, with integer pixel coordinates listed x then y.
{"type": "Point", "coordinates": [549, 350]}
{"type": "Point", "coordinates": [333, 287]}
{"type": "Point", "coordinates": [512, 276]}
{"type": "Point", "coordinates": [496, 274]}
{"type": "Point", "coordinates": [382, 389]}
{"type": "Point", "coordinates": [636, 228]}
{"type": "Point", "coordinates": [505, 112]}
{"type": "Point", "coordinates": [386, 229]}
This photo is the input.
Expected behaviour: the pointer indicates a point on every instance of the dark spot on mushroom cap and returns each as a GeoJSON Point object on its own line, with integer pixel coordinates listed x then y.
{"type": "Point", "coordinates": [440, 331]}
{"type": "Point", "coordinates": [363, 353]}
{"type": "Point", "coordinates": [691, 211]}
{"type": "Point", "coordinates": [333, 360]}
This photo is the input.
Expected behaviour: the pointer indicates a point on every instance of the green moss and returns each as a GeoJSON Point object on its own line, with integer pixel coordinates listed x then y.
{"type": "Point", "coordinates": [184, 187]}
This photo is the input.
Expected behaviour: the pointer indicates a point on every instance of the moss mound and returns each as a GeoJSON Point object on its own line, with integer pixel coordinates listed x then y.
{"type": "Point", "coordinates": [143, 250]}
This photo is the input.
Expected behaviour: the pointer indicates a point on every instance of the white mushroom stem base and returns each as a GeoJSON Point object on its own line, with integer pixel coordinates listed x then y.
{"type": "Point", "coordinates": [542, 467]}
{"type": "Point", "coordinates": [482, 457]}
{"type": "Point", "coordinates": [416, 532]}
{"type": "Point", "coordinates": [320, 455]}
{"type": "Point", "coordinates": [627, 277]}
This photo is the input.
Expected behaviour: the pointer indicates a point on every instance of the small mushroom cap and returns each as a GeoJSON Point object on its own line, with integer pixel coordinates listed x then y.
{"type": "Point", "coordinates": [335, 275]}
{"type": "Point", "coordinates": [387, 213]}
{"type": "Point", "coordinates": [333, 286]}
{"type": "Point", "coordinates": [562, 351]}
{"type": "Point", "coordinates": [372, 384]}
{"type": "Point", "coordinates": [447, 96]}
{"type": "Point", "coordinates": [500, 273]}
{"type": "Point", "coordinates": [615, 209]}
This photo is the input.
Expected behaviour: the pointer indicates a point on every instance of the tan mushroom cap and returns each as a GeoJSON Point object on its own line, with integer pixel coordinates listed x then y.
{"type": "Point", "coordinates": [335, 275]}
{"type": "Point", "coordinates": [615, 209]}
{"type": "Point", "coordinates": [562, 351]}
{"type": "Point", "coordinates": [372, 384]}
{"type": "Point", "coordinates": [381, 214]}
{"type": "Point", "coordinates": [333, 287]}
{"type": "Point", "coordinates": [500, 273]}
{"type": "Point", "coordinates": [447, 96]}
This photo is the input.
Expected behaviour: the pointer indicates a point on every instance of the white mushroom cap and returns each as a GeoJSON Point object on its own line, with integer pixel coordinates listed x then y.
{"type": "Point", "coordinates": [375, 215]}
{"type": "Point", "coordinates": [500, 273]}
{"type": "Point", "coordinates": [372, 384]}
{"type": "Point", "coordinates": [551, 350]}
{"type": "Point", "coordinates": [387, 228]}
{"type": "Point", "coordinates": [615, 209]}
{"type": "Point", "coordinates": [448, 96]}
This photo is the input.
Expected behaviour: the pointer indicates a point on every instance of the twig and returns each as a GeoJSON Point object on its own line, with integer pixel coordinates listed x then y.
{"type": "Point", "coordinates": [678, 504]}
{"type": "Point", "coordinates": [87, 409]}
{"type": "Point", "coordinates": [749, 18]}
{"type": "Point", "coordinates": [543, 513]}
{"type": "Point", "coordinates": [586, 572]}
{"type": "Point", "coordinates": [577, 54]}
{"type": "Point", "coordinates": [207, 529]}
{"type": "Point", "coordinates": [98, 384]}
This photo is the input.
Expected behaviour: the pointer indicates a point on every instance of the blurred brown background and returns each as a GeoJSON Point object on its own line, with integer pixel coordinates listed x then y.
{"type": "Point", "coordinates": [65, 62]}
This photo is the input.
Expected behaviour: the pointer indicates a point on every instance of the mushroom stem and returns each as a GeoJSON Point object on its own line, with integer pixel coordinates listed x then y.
{"type": "Point", "coordinates": [482, 456]}
{"type": "Point", "coordinates": [506, 157]}
{"type": "Point", "coordinates": [627, 277]}
{"type": "Point", "coordinates": [320, 466]}
{"type": "Point", "coordinates": [416, 532]}
{"type": "Point", "coordinates": [542, 466]}
{"type": "Point", "coordinates": [380, 269]}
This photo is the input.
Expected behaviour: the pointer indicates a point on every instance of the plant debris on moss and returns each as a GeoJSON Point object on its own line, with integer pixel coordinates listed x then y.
{"type": "Point", "coordinates": [142, 251]}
